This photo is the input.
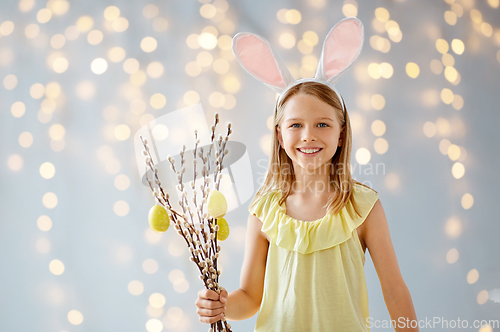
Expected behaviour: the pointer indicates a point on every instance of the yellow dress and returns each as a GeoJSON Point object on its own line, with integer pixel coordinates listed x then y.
{"type": "Point", "coordinates": [314, 278]}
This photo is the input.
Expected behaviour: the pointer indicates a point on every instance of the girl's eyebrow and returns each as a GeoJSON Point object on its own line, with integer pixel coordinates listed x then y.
{"type": "Point", "coordinates": [299, 119]}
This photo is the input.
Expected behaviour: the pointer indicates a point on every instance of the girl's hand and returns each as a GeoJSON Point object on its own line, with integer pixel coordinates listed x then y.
{"type": "Point", "coordinates": [211, 306]}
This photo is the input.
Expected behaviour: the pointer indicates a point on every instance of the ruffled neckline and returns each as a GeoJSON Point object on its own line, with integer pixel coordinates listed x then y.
{"type": "Point", "coordinates": [283, 209]}
{"type": "Point", "coordinates": [307, 237]}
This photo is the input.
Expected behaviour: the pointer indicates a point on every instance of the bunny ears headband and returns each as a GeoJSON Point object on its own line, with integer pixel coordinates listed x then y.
{"type": "Point", "coordinates": [341, 48]}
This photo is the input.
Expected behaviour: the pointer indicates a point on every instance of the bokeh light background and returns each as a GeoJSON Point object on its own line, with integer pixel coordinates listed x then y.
{"type": "Point", "coordinates": [78, 78]}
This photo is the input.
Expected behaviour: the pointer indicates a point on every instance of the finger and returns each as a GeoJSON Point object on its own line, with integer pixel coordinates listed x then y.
{"type": "Point", "coordinates": [210, 320]}
{"type": "Point", "coordinates": [223, 296]}
{"type": "Point", "coordinates": [210, 312]}
{"type": "Point", "coordinates": [208, 304]}
{"type": "Point", "coordinates": [208, 294]}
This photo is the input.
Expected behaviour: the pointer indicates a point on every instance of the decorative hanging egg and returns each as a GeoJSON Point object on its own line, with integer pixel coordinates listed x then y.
{"type": "Point", "coordinates": [217, 205]}
{"type": "Point", "coordinates": [223, 232]}
{"type": "Point", "coordinates": [158, 219]}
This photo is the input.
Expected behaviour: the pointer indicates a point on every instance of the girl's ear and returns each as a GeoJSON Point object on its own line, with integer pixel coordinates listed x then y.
{"type": "Point", "coordinates": [341, 136]}
{"type": "Point", "coordinates": [278, 134]}
{"type": "Point", "coordinates": [341, 48]}
{"type": "Point", "coordinates": [258, 58]}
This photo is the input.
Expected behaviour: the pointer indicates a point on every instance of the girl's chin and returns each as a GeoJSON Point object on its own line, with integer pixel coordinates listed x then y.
{"type": "Point", "coordinates": [311, 168]}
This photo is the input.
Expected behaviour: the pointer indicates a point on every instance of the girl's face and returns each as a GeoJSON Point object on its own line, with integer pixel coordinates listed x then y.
{"type": "Point", "coordinates": [309, 133]}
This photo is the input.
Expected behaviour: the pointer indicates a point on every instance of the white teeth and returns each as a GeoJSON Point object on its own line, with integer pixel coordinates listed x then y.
{"type": "Point", "coordinates": [309, 150]}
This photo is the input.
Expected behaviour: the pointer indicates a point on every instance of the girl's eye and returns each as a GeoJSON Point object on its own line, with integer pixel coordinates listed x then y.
{"type": "Point", "coordinates": [298, 125]}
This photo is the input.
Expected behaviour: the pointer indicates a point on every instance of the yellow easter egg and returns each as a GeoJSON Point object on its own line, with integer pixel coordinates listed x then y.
{"type": "Point", "coordinates": [217, 205]}
{"type": "Point", "coordinates": [158, 219]}
{"type": "Point", "coordinates": [223, 231]}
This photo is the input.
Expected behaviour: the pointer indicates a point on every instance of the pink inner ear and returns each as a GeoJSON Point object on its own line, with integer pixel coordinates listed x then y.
{"type": "Point", "coordinates": [342, 47]}
{"type": "Point", "coordinates": [257, 57]}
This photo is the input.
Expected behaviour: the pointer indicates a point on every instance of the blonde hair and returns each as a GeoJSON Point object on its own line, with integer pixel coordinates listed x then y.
{"type": "Point", "coordinates": [340, 175]}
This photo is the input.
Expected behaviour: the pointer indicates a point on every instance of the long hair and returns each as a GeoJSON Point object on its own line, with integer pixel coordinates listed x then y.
{"type": "Point", "coordinates": [280, 174]}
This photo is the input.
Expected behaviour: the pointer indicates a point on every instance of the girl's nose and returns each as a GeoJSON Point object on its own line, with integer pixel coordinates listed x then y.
{"type": "Point", "coordinates": [308, 135]}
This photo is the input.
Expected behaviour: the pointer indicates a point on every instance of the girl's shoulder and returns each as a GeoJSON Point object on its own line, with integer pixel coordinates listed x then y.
{"type": "Point", "coordinates": [362, 192]}
{"type": "Point", "coordinates": [361, 188]}
{"type": "Point", "coordinates": [361, 201]}
{"type": "Point", "coordinates": [264, 202]}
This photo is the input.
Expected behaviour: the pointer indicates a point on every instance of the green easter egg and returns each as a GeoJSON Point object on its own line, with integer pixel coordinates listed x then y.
{"type": "Point", "coordinates": [158, 219]}
{"type": "Point", "coordinates": [217, 205]}
{"type": "Point", "coordinates": [223, 232]}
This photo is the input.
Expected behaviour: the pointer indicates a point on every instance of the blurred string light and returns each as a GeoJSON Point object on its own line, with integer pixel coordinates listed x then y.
{"type": "Point", "coordinates": [209, 39]}
{"type": "Point", "coordinates": [453, 228]}
{"type": "Point", "coordinates": [383, 24]}
{"type": "Point", "coordinates": [308, 41]}
{"type": "Point", "coordinates": [178, 280]}
{"type": "Point", "coordinates": [53, 94]}
{"type": "Point", "coordinates": [154, 312]}
{"type": "Point", "coordinates": [122, 182]}
{"type": "Point", "coordinates": [444, 66]}
{"type": "Point", "coordinates": [350, 8]}
{"type": "Point", "coordinates": [442, 127]}
{"type": "Point", "coordinates": [56, 267]}
{"type": "Point", "coordinates": [95, 37]}
{"type": "Point", "coordinates": [50, 200]}
{"type": "Point", "coordinates": [289, 16]}
{"type": "Point", "coordinates": [131, 66]}
{"type": "Point", "coordinates": [32, 30]}
{"type": "Point", "coordinates": [50, 95]}
{"type": "Point", "coordinates": [44, 223]}
{"type": "Point", "coordinates": [155, 69]}
{"type": "Point", "coordinates": [18, 109]}
{"type": "Point", "coordinates": [452, 256]}
{"type": "Point", "coordinates": [152, 237]}
{"type": "Point", "coordinates": [412, 69]}
{"type": "Point", "coordinates": [135, 287]}
{"type": "Point", "coordinates": [25, 139]}
{"type": "Point", "coordinates": [121, 208]}
{"type": "Point", "coordinates": [154, 325]}
{"type": "Point", "coordinates": [47, 170]}
{"type": "Point", "coordinates": [75, 317]}
{"type": "Point", "coordinates": [6, 28]}
{"type": "Point", "coordinates": [42, 245]}
{"type": "Point", "coordinates": [377, 101]}
{"type": "Point", "coordinates": [150, 266]}
{"type": "Point", "coordinates": [10, 82]}
{"type": "Point", "coordinates": [116, 54]}
{"type": "Point", "coordinates": [157, 300]}
{"type": "Point", "coordinates": [99, 66]}
{"type": "Point", "coordinates": [287, 40]}
{"type": "Point", "coordinates": [111, 13]}
{"type": "Point", "coordinates": [15, 162]}
{"type": "Point", "coordinates": [380, 70]}
{"type": "Point", "coordinates": [149, 44]}
{"type": "Point", "coordinates": [212, 54]}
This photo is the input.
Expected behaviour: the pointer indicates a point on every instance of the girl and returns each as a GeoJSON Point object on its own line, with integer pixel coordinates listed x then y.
{"type": "Point", "coordinates": [311, 223]}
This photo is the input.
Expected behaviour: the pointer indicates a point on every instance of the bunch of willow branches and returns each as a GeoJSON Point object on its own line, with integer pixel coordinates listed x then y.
{"type": "Point", "coordinates": [197, 227]}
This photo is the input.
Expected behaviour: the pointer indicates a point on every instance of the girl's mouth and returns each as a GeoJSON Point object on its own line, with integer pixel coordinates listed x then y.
{"type": "Point", "coordinates": [309, 151]}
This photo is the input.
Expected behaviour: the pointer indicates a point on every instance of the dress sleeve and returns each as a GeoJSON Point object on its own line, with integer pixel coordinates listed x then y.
{"type": "Point", "coordinates": [263, 205]}
{"type": "Point", "coordinates": [365, 198]}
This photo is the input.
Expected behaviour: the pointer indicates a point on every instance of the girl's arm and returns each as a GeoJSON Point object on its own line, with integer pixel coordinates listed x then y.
{"type": "Point", "coordinates": [375, 233]}
{"type": "Point", "coordinates": [244, 302]}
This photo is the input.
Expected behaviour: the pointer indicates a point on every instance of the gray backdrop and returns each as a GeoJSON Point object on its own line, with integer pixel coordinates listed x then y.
{"type": "Point", "coordinates": [98, 229]}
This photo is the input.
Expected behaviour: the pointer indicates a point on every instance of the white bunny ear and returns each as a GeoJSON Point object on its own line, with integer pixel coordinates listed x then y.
{"type": "Point", "coordinates": [341, 48]}
{"type": "Point", "coordinates": [258, 58]}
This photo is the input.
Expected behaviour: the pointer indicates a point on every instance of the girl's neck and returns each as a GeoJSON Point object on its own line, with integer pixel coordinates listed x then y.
{"type": "Point", "coordinates": [315, 183]}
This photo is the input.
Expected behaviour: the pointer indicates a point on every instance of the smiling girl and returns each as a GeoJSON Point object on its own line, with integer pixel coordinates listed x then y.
{"type": "Point", "coordinates": [311, 223]}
